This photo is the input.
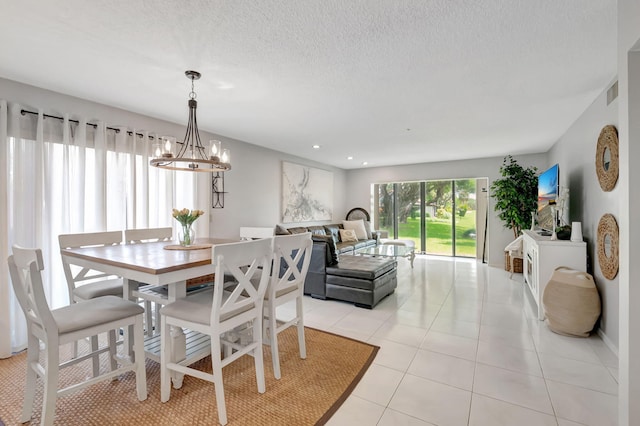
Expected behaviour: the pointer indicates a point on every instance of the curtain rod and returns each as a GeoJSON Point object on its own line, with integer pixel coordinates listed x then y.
{"type": "Point", "coordinates": [24, 112]}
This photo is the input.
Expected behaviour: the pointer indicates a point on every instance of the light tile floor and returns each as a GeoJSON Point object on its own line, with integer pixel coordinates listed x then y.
{"type": "Point", "coordinates": [460, 345]}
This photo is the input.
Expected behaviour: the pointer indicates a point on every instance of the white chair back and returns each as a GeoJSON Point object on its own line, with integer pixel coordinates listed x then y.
{"type": "Point", "coordinates": [133, 236]}
{"type": "Point", "coordinates": [24, 268]}
{"type": "Point", "coordinates": [241, 260]}
{"type": "Point", "coordinates": [291, 257]}
{"type": "Point", "coordinates": [79, 275]}
{"type": "Point", "coordinates": [252, 233]}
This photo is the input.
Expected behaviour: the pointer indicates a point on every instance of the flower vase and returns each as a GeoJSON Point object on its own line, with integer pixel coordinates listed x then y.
{"type": "Point", "coordinates": [187, 236]}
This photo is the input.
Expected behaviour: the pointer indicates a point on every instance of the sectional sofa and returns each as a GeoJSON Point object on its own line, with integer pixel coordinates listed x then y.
{"type": "Point", "coordinates": [337, 272]}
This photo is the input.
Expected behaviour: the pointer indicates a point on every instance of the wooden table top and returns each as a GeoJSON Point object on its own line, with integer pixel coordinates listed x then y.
{"type": "Point", "coordinates": [150, 258]}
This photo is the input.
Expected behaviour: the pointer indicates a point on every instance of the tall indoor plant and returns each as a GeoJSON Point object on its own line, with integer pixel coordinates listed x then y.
{"type": "Point", "coordinates": [516, 194]}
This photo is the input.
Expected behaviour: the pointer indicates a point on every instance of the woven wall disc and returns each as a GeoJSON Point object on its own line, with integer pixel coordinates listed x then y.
{"type": "Point", "coordinates": [607, 171]}
{"type": "Point", "coordinates": [608, 246]}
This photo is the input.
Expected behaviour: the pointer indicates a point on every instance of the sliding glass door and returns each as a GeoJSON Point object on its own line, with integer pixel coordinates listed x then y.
{"type": "Point", "coordinates": [439, 216]}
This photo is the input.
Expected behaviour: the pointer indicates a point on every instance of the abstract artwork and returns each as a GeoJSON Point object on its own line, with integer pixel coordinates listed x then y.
{"type": "Point", "coordinates": [307, 193]}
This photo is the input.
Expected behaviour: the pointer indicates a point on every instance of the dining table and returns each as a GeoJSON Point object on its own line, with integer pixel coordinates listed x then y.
{"type": "Point", "coordinates": [154, 264]}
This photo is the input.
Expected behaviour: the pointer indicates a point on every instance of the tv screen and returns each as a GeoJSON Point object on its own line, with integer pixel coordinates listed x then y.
{"type": "Point", "coordinates": [548, 192]}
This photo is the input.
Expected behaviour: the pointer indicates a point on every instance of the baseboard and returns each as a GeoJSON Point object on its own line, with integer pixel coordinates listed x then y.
{"type": "Point", "coordinates": [608, 342]}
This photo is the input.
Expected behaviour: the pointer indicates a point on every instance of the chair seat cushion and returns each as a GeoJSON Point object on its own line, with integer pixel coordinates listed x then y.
{"type": "Point", "coordinates": [90, 313]}
{"type": "Point", "coordinates": [111, 287]}
{"type": "Point", "coordinates": [197, 308]}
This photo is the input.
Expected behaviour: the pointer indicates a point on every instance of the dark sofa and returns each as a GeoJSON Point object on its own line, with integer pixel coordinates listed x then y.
{"type": "Point", "coordinates": [333, 231]}
{"type": "Point", "coordinates": [336, 273]}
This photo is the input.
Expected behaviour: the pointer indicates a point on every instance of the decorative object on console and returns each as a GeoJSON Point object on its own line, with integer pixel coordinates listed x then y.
{"type": "Point", "coordinates": [607, 166]}
{"type": "Point", "coordinates": [192, 156]}
{"type": "Point", "coordinates": [608, 246]}
{"type": "Point", "coordinates": [554, 236]}
{"type": "Point", "coordinates": [307, 193]}
{"type": "Point", "coordinates": [563, 232]}
{"type": "Point", "coordinates": [515, 194]}
{"type": "Point", "coordinates": [576, 232]}
{"type": "Point", "coordinates": [186, 235]}
{"type": "Point", "coordinates": [533, 221]}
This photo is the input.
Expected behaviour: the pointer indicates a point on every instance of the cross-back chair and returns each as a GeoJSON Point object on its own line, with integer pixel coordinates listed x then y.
{"type": "Point", "coordinates": [291, 257]}
{"type": "Point", "coordinates": [84, 283]}
{"type": "Point", "coordinates": [152, 299]}
{"type": "Point", "coordinates": [69, 324]}
{"type": "Point", "coordinates": [217, 311]}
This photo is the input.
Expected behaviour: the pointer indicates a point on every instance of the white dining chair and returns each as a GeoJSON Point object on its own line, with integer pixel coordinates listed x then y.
{"type": "Point", "coordinates": [217, 311]}
{"type": "Point", "coordinates": [291, 257]}
{"type": "Point", "coordinates": [85, 284]}
{"type": "Point", "coordinates": [152, 299]}
{"type": "Point", "coordinates": [252, 233]}
{"type": "Point", "coordinates": [69, 324]}
{"type": "Point", "coordinates": [147, 235]}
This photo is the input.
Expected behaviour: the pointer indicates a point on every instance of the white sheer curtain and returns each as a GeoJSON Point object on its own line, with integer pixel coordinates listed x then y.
{"type": "Point", "coordinates": [59, 177]}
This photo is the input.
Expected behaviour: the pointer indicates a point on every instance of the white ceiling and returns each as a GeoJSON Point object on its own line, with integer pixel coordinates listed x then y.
{"type": "Point", "coordinates": [385, 81]}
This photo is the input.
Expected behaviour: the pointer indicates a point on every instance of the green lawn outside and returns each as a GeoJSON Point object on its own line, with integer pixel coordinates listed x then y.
{"type": "Point", "coordinates": [439, 234]}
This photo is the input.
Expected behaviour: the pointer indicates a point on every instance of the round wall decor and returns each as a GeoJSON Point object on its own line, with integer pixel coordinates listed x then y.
{"type": "Point", "coordinates": [607, 158]}
{"type": "Point", "coordinates": [608, 244]}
{"type": "Point", "coordinates": [358, 213]}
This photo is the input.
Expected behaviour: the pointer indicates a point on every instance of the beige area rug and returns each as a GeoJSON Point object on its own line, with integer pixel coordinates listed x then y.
{"type": "Point", "coordinates": [310, 390]}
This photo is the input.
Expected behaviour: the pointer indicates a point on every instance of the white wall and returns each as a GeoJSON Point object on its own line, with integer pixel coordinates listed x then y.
{"type": "Point", "coordinates": [359, 183]}
{"type": "Point", "coordinates": [629, 135]}
{"type": "Point", "coordinates": [253, 184]}
{"type": "Point", "coordinates": [575, 153]}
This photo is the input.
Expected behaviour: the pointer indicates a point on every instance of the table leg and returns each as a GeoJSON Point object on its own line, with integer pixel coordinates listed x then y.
{"type": "Point", "coordinates": [412, 256]}
{"type": "Point", "coordinates": [178, 342]}
{"type": "Point", "coordinates": [128, 287]}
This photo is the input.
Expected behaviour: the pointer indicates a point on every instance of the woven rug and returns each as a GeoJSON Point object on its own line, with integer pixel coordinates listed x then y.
{"type": "Point", "coordinates": [310, 390]}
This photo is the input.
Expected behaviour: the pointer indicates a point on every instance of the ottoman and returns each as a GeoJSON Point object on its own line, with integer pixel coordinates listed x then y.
{"type": "Point", "coordinates": [361, 280]}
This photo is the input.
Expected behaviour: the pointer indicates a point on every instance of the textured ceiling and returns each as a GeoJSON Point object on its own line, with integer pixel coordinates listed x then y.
{"type": "Point", "coordinates": [385, 81]}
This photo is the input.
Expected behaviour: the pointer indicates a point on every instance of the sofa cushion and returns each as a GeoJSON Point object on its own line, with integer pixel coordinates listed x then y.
{"type": "Point", "coordinates": [348, 236]}
{"type": "Point", "coordinates": [363, 267]}
{"type": "Point", "coordinates": [334, 231]}
{"type": "Point", "coordinates": [345, 247]}
{"type": "Point", "coordinates": [298, 230]}
{"type": "Point", "coordinates": [317, 230]}
{"type": "Point", "coordinates": [357, 226]}
{"type": "Point", "coordinates": [367, 227]}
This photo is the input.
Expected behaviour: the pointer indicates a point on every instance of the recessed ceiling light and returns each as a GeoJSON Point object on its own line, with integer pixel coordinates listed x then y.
{"type": "Point", "coordinates": [349, 158]}
{"type": "Point", "coordinates": [316, 146]}
{"type": "Point", "coordinates": [364, 163]}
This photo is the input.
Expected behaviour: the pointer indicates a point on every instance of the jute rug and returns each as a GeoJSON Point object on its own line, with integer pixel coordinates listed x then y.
{"type": "Point", "coordinates": [310, 390]}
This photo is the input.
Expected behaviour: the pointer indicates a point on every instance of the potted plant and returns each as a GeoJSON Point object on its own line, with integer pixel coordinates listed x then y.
{"type": "Point", "coordinates": [516, 194]}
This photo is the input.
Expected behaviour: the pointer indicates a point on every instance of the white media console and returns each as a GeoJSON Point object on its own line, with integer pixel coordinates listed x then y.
{"type": "Point", "coordinates": [542, 256]}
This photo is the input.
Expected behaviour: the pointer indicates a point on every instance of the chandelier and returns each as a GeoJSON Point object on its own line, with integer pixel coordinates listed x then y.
{"type": "Point", "coordinates": [191, 154]}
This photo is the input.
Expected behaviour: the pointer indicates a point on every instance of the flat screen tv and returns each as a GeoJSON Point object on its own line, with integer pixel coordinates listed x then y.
{"type": "Point", "coordinates": [548, 193]}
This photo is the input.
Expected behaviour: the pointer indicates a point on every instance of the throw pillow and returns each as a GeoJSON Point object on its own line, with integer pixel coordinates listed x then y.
{"type": "Point", "coordinates": [348, 236]}
{"type": "Point", "coordinates": [357, 226]}
{"type": "Point", "coordinates": [367, 227]}
{"type": "Point", "coordinates": [281, 230]}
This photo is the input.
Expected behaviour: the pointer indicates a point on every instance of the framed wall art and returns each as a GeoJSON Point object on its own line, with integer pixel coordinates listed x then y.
{"type": "Point", "coordinates": [307, 193]}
